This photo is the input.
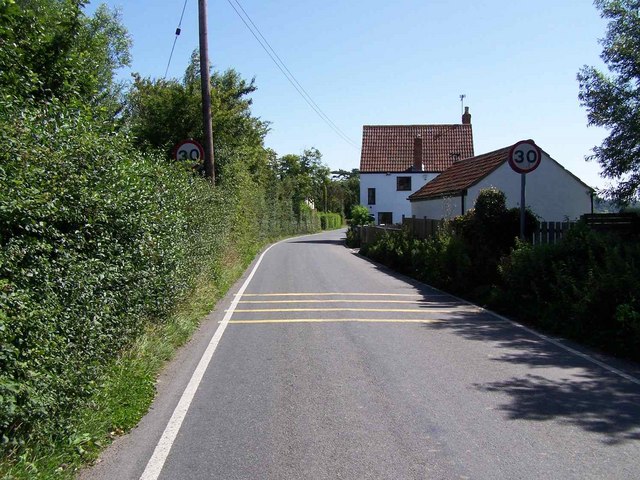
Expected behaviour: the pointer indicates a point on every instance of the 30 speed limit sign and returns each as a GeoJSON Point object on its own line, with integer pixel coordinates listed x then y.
{"type": "Point", "coordinates": [189, 151]}
{"type": "Point", "coordinates": [525, 156]}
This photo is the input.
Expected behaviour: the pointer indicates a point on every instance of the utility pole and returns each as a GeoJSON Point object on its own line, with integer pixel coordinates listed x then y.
{"type": "Point", "coordinates": [205, 82]}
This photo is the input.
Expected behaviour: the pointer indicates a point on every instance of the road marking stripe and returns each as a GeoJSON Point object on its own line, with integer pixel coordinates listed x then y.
{"type": "Point", "coordinates": [402, 310]}
{"type": "Point", "coordinates": [326, 294]}
{"type": "Point", "coordinates": [414, 302]}
{"type": "Point", "coordinates": [157, 460]}
{"type": "Point", "coordinates": [336, 320]}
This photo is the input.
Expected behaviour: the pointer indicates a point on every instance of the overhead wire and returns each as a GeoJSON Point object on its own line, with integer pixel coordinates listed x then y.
{"type": "Point", "coordinates": [287, 73]}
{"type": "Point", "coordinates": [178, 30]}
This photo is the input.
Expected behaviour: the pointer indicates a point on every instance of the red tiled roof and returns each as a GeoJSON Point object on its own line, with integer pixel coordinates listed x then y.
{"type": "Point", "coordinates": [462, 175]}
{"type": "Point", "coordinates": [389, 148]}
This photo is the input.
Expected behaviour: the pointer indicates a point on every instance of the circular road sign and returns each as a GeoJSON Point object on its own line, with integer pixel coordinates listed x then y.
{"type": "Point", "coordinates": [525, 156]}
{"type": "Point", "coordinates": [189, 150]}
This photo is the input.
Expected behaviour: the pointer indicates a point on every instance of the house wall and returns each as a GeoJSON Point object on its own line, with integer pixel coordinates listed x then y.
{"type": "Point", "coordinates": [388, 199]}
{"type": "Point", "coordinates": [438, 208]}
{"type": "Point", "coordinates": [551, 192]}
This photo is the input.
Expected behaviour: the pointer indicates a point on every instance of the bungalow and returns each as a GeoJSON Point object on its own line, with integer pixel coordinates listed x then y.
{"type": "Point", "coordinates": [552, 192]}
{"type": "Point", "coordinates": [397, 160]}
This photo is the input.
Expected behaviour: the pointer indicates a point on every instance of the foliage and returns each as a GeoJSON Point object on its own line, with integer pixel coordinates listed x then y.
{"type": "Point", "coordinates": [612, 101]}
{"type": "Point", "coordinates": [98, 240]}
{"type": "Point", "coordinates": [585, 287]}
{"type": "Point", "coordinates": [344, 191]}
{"type": "Point", "coordinates": [61, 52]}
{"type": "Point", "coordinates": [360, 216]}
{"type": "Point", "coordinates": [330, 221]}
{"type": "Point", "coordinates": [160, 113]}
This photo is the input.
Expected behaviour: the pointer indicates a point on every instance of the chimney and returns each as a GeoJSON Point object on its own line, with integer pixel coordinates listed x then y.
{"type": "Point", "coordinates": [417, 154]}
{"type": "Point", "coordinates": [466, 117]}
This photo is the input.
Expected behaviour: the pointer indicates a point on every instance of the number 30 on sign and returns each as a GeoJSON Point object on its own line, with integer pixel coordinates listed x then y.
{"type": "Point", "coordinates": [525, 156]}
{"type": "Point", "coordinates": [189, 151]}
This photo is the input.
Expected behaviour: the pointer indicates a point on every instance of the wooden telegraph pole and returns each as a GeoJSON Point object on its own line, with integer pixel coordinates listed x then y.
{"type": "Point", "coordinates": [205, 82]}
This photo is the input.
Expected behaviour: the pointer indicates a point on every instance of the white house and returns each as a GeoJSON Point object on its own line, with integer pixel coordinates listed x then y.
{"type": "Point", "coordinates": [397, 160]}
{"type": "Point", "coordinates": [552, 192]}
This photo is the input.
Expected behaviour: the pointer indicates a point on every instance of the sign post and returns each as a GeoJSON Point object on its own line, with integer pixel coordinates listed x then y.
{"type": "Point", "coordinates": [524, 157]}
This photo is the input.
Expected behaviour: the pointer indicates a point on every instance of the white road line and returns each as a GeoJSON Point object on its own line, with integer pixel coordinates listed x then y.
{"type": "Point", "coordinates": [161, 452]}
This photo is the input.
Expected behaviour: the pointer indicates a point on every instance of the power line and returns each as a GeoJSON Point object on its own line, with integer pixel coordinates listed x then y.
{"type": "Point", "coordinates": [184, 7]}
{"type": "Point", "coordinates": [287, 73]}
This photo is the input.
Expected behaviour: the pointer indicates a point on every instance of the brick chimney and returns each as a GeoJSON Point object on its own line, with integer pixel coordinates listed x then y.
{"type": "Point", "coordinates": [466, 117]}
{"type": "Point", "coordinates": [417, 154]}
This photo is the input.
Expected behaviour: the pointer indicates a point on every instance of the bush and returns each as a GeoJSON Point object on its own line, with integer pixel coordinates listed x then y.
{"type": "Point", "coordinates": [585, 287]}
{"type": "Point", "coordinates": [360, 216]}
{"type": "Point", "coordinates": [97, 242]}
{"type": "Point", "coordinates": [330, 221]}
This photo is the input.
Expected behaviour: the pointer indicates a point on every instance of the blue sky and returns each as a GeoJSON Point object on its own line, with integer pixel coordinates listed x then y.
{"type": "Point", "coordinates": [400, 62]}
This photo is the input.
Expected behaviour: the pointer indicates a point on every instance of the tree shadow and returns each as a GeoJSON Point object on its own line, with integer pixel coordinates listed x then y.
{"type": "Point", "coordinates": [573, 390]}
{"type": "Point", "coordinates": [327, 241]}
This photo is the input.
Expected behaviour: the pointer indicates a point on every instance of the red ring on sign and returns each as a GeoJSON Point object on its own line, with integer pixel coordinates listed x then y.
{"type": "Point", "coordinates": [515, 166]}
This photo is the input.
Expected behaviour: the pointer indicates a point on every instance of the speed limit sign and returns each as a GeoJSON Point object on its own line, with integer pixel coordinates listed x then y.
{"type": "Point", "coordinates": [525, 156]}
{"type": "Point", "coordinates": [189, 150]}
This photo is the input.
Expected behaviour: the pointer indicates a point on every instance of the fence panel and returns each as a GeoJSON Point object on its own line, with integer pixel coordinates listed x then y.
{"type": "Point", "coordinates": [550, 233]}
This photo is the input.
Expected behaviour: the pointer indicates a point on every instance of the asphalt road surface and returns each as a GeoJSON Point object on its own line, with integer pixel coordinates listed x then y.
{"type": "Point", "coordinates": [328, 366]}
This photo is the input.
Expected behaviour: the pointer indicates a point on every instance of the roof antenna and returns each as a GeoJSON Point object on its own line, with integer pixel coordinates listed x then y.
{"type": "Point", "coordinates": [462, 97]}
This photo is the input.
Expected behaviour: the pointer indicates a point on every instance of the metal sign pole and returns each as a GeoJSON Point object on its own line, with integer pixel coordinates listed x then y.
{"type": "Point", "coordinates": [523, 184]}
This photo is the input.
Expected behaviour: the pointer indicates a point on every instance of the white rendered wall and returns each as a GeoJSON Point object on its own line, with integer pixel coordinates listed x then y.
{"type": "Point", "coordinates": [438, 208]}
{"type": "Point", "coordinates": [388, 199]}
{"type": "Point", "coordinates": [552, 193]}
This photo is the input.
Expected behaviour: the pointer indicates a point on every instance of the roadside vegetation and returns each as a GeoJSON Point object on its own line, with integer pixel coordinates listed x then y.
{"type": "Point", "coordinates": [585, 287]}
{"type": "Point", "coordinates": [110, 251]}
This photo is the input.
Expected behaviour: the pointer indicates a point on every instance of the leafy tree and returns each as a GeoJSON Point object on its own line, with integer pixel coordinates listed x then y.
{"type": "Point", "coordinates": [163, 112]}
{"type": "Point", "coordinates": [305, 177]}
{"type": "Point", "coordinates": [344, 191]}
{"type": "Point", "coordinates": [51, 49]}
{"type": "Point", "coordinates": [613, 101]}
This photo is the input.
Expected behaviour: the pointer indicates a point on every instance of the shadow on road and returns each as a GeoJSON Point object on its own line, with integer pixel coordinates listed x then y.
{"type": "Point", "coordinates": [575, 391]}
{"type": "Point", "coordinates": [326, 241]}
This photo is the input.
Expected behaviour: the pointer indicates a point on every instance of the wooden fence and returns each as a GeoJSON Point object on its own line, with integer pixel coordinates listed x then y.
{"type": "Point", "coordinates": [547, 233]}
{"type": "Point", "coordinates": [370, 233]}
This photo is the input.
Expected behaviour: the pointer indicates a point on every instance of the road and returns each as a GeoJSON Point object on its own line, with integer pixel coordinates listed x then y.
{"type": "Point", "coordinates": [330, 366]}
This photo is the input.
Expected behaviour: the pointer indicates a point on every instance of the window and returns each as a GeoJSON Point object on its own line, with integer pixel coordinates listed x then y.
{"type": "Point", "coordinates": [385, 218]}
{"type": "Point", "coordinates": [403, 183]}
{"type": "Point", "coordinates": [371, 196]}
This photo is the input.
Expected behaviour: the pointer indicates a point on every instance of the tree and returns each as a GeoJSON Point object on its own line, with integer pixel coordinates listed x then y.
{"type": "Point", "coordinates": [613, 101]}
{"type": "Point", "coordinates": [163, 112]}
{"type": "Point", "coordinates": [344, 191]}
{"type": "Point", "coordinates": [51, 49]}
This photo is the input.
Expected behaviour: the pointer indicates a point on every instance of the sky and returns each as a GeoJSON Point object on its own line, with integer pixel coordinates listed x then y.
{"type": "Point", "coordinates": [397, 62]}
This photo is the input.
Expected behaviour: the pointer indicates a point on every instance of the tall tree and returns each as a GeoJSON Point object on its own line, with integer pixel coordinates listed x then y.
{"type": "Point", "coordinates": [52, 49]}
{"type": "Point", "coordinates": [613, 100]}
{"type": "Point", "coordinates": [163, 112]}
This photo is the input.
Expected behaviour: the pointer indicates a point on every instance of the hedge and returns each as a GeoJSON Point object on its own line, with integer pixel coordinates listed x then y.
{"type": "Point", "coordinates": [98, 241]}
{"type": "Point", "coordinates": [330, 221]}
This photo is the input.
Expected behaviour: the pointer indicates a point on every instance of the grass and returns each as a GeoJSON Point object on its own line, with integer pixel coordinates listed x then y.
{"type": "Point", "coordinates": [126, 391]}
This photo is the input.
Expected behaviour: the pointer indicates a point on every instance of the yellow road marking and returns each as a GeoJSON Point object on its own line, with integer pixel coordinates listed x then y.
{"type": "Point", "coordinates": [404, 310]}
{"type": "Point", "coordinates": [337, 301]}
{"type": "Point", "coordinates": [335, 320]}
{"type": "Point", "coordinates": [325, 294]}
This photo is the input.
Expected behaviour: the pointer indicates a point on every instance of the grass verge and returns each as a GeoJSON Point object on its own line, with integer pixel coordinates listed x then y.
{"type": "Point", "coordinates": [126, 391]}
